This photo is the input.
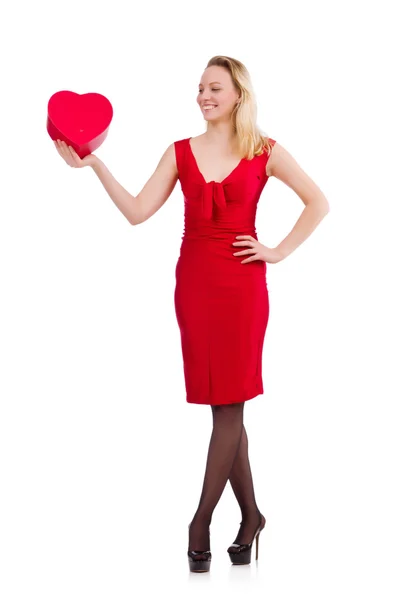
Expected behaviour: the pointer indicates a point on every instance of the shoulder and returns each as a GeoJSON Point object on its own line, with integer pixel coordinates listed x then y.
{"type": "Point", "coordinates": [265, 155]}
{"type": "Point", "coordinates": [276, 157]}
{"type": "Point", "coordinates": [182, 141]}
{"type": "Point", "coordinates": [179, 146]}
{"type": "Point", "coordinates": [178, 151]}
{"type": "Point", "coordinates": [285, 167]}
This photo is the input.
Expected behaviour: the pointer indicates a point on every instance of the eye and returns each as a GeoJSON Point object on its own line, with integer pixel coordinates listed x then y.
{"type": "Point", "coordinates": [214, 89]}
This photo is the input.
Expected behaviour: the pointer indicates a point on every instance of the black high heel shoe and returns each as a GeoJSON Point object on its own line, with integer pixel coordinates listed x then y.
{"type": "Point", "coordinates": [240, 554]}
{"type": "Point", "coordinates": [199, 561]}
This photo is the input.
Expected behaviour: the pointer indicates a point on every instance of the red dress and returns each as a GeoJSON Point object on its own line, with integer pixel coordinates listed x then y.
{"type": "Point", "coordinates": [221, 305]}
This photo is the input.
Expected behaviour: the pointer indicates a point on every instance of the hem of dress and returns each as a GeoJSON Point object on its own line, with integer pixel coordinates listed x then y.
{"type": "Point", "coordinates": [251, 397]}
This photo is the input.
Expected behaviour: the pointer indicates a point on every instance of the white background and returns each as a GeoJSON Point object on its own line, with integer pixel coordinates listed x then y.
{"type": "Point", "coordinates": [101, 458]}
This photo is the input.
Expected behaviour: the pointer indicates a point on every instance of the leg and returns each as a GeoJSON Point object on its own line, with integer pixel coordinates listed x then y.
{"type": "Point", "coordinates": [241, 481]}
{"type": "Point", "coordinates": [224, 443]}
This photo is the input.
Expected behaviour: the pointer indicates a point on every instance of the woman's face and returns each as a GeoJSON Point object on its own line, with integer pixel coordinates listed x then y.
{"type": "Point", "coordinates": [216, 88]}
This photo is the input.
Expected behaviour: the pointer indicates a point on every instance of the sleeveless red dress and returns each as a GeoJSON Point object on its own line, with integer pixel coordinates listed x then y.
{"type": "Point", "coordinates": [221, 305]}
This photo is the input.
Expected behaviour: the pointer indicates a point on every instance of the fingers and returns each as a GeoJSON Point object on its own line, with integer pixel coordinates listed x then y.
{"type": "Point", "coordinates": [250, 241]}
{"type": "Point", "coordinates": [247, 243]}
{"type": "Point", "coordinates": [62, 150]}
{"type": "Point", "coordinates": [252, 247]}
{"type": "Point", "coordinates": [249, 251]}
{"type": "Point", "coordinates": [75, 157]}
{"type": "Point", "coordinates": [250, 259]}
{"type": "Point", "coordinates": [67, 153]}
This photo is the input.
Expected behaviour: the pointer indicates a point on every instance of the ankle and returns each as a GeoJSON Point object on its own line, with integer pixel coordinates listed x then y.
{"type": "Point", "coordinates": [202, 520]}
{"type": "Point", "coordinates": [251, 515]}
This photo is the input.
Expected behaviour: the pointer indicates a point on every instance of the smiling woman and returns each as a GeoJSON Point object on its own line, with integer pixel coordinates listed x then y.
{"type": "Point", "coordinates": [229, 89]}
{"type": "Point", "coordinates": [221, 297]}
{"type": "Point", "coordinates": [221, 301]}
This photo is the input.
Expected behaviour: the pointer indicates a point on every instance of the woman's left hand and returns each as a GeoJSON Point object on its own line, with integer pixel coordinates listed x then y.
{"type": "Point", "coordinates": [259, 251]}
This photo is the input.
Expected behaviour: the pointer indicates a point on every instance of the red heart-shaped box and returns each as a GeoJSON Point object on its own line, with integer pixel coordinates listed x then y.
{"type": "Point", "coordinates": [80, 120]}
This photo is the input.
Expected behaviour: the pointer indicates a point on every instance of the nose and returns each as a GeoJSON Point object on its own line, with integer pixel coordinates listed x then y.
{"type": "Point", "coordinates": [205, 95]}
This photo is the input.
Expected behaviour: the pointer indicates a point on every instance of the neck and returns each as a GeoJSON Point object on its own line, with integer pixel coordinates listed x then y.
{"type": "Point", "coordinates": [221, 135]}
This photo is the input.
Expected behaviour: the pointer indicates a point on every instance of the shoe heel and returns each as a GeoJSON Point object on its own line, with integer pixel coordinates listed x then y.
{"type": "Point", "coordinates": [257, 541]}
{"type": "Point", "coordinates": [243, 556]}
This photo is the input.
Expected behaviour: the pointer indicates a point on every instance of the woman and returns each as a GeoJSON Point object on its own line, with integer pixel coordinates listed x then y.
{"type": "Point", "coordinates": [221, 301]}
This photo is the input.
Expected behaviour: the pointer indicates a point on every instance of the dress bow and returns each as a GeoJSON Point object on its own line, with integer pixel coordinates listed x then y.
{"type": "Point", "coordinates": [213, 192]}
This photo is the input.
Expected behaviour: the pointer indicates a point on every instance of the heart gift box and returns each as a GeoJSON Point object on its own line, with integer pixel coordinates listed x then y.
{"type": "Point", "coordinates": [80, 120]}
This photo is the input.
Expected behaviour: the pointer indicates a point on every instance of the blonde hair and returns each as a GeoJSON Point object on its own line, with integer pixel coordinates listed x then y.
{"type": "Point", "coordinates": [251, 140]}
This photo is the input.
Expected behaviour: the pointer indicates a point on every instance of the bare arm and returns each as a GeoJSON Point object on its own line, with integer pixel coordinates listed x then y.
{"type": "Point", "coordinates": [285, 168]}
{"type": "Point", "coordinates": [151, 198]}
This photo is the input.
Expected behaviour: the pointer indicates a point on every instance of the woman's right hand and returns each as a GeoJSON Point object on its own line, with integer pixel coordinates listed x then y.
{"type": "Point", "coordinates": [71, 157]}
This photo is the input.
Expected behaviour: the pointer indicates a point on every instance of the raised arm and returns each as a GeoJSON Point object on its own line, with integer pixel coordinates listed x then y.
{"type": "Point", "coordinates": [153, 195]}
{"type": "Point", "coordinates": [158, 188]}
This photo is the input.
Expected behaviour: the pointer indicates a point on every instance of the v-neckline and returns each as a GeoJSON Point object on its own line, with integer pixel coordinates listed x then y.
{"type": "Point", "coordinates": [200, 173]}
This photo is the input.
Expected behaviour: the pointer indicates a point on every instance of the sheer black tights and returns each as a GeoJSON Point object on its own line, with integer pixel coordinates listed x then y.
{"type": "Point", "coordinates": [227, 459]}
